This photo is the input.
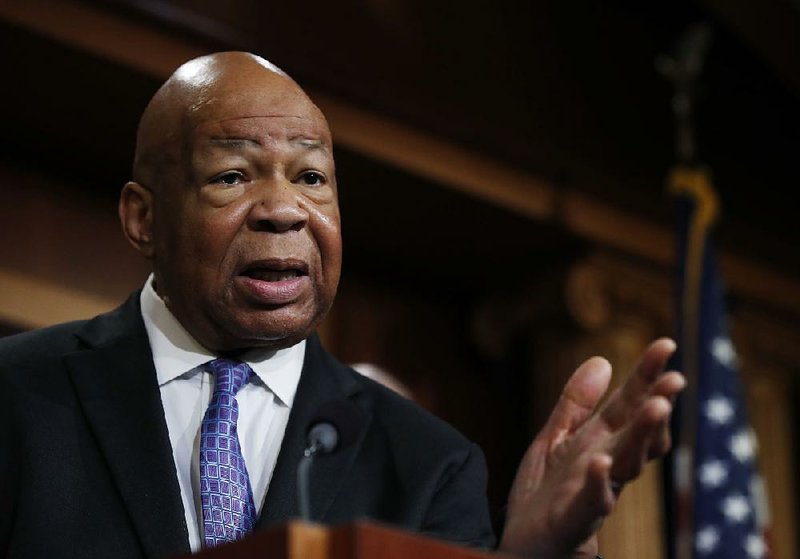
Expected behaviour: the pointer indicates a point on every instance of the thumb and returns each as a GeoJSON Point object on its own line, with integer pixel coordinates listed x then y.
{"type": "Point", "coordinates": [580, 396]}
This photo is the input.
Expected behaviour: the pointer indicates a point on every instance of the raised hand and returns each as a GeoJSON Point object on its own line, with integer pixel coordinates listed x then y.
{"type": "Point", "coordinates": [571, 475]}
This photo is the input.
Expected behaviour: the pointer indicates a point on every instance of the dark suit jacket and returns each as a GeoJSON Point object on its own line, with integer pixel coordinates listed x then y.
{"type": "Point", "coordinates": [86, 466]}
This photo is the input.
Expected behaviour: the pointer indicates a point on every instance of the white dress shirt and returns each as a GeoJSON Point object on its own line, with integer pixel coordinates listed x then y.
{"type": "Point", "coordinates": [264, 403]}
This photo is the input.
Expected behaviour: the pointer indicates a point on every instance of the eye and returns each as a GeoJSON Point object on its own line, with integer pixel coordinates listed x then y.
{"type": "Point", "coordinates": [229, 178]}
{"type": "Point", "coordinates": [312, 178]}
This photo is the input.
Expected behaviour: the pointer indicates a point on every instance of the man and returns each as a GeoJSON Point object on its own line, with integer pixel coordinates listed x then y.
{"type": "Point", "coordinates": [105, 441]}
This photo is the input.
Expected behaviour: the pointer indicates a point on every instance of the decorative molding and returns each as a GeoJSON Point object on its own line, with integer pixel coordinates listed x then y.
{"type": "Point", "coordinates": [157, 53]}
{"type": "Point", "coordinates": [604, 287]}
{"type": "Point", "coordinates": [30, 302]}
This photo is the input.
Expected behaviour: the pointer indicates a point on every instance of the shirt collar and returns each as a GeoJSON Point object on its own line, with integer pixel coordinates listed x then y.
{"type": "Point", "coordinates": [176, 353]}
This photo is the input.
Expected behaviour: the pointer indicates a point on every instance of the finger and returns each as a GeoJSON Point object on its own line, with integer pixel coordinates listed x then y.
{"type": "Point", "coordinates": [580, 397]}
{"type": "Point", "coordinates": [640, 440]}
{"type": "Point", "coordinates": [599, 483]}
{"type": "Point", "coordinates": [661, 443]}
{"type": "Point", "coordinates": [595, 500]}
{"type": "Point", "coordinates": [640, 384]}
{"type": "Point", "coordinates": [669, 385]}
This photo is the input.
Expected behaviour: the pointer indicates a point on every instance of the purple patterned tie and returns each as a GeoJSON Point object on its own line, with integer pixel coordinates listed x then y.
{"type": "Point", "coordinates": [227, 499]}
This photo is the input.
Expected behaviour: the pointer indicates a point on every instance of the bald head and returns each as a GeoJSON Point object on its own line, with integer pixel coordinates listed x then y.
{"type": "Point", "coordinates": [234, 202]}
{"type": "Point", "coordinates": [203, 87]}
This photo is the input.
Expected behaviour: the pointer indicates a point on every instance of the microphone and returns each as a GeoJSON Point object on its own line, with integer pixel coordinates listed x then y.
{"type": "Point", "coordinates": [334, 426]}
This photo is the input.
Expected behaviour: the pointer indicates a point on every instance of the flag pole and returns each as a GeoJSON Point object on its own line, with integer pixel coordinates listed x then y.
{"type": "Point", "coordinates": [692, 181]}
{"type": "Point", "coordinates": [720, 508]}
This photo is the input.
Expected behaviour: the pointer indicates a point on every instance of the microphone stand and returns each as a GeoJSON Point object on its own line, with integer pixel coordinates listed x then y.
{"type": "Point", "coordinates": [323, 439]}
{"type": "Point", "coordinates": [302, 481]}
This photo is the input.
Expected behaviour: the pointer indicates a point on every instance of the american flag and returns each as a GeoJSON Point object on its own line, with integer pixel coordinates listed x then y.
{"type": "Point", "coordinates": [720, 507]}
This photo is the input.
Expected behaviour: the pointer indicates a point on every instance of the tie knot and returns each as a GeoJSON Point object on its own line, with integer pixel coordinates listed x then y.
{"type": "Point", "coordinates": [229, 374]}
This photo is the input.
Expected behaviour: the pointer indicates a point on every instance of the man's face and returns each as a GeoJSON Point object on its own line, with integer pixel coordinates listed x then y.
{"type": "Point", "coordinates": [247, 247]}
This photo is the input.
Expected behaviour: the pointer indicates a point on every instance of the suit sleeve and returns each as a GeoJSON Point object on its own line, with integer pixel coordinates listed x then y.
{"type": "Point", "coordinates": [459, 510]}
{"type": "Point", "coordinates": [9, 467]}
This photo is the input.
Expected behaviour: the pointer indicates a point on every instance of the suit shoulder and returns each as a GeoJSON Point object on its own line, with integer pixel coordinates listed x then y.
{"type": "Point", "coordinates": [39, 346]}
{"type": "Point", "coordinates": [43, 346]}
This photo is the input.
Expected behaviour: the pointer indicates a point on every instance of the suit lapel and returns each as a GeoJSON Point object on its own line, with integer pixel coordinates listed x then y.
{"type": "Point", "coordinates": [116, 384]}
{"type": "Point", "coordinates": [322, 379]}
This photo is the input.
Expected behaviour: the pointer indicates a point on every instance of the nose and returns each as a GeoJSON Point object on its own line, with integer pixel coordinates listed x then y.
{"type": "Point", "coordinates": [277, 209]}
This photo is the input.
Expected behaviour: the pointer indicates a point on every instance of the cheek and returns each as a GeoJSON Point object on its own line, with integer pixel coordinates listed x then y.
{"type": "Point", "coordinates": [327, 234]}
{"type": "Point", "coordinates": [207, 239]}
{"type": "Point", "coordinates": [330, 234]}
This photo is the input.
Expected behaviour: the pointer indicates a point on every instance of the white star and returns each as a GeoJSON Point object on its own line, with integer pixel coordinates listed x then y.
{"type": "Point", "coordinates": [706, 540]}
{"type": "Point", "coordinates": [719, 410]}
{"type": "Point", "coordinates": [736, 508]}
{"type": "Point", "coordinates": [723, 351]}
{"type": "Point", "coordinates": [713, 474]}
{"type": "Point", "coordinates": [755, 547]}
{"type": "Point", "coordinates": [743, 445]}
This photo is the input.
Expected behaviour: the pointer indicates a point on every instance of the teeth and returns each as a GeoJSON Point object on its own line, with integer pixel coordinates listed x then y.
{"type": "Point", "coordinates": [272, 275]}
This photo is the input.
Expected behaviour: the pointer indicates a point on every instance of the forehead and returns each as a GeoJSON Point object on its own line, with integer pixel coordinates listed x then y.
{"type": "Point", "coordinates": [274, 109]}
{"type": "Point", "coordinates": [264, 129]}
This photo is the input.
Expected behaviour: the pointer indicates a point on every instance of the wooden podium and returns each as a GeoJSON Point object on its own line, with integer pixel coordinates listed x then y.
{"type": "Point", "coordinates": [357, 540]}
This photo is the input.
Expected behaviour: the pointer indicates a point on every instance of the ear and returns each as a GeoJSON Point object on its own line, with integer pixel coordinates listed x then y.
{"type": "Point", "coordinates": [136, 216]}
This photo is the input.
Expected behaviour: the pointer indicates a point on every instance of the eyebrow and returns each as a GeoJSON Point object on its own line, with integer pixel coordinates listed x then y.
{"type": "Point", "coordinates": [234, 143]}
{"type": "Point", "coordinates": [311, 144]}
{"type": "Point", "coordinates": [242, 143]}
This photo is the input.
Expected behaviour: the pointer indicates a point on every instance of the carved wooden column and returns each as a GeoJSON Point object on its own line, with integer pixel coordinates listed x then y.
{"type": "Point", "coordinates": [600, 305]}
{"type": "Point", "coordinates": [635, 304]}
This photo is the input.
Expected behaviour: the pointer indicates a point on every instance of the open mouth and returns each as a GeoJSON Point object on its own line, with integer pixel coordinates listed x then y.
{"type": "Point", "coordinates": [264, 274]}
{"type": "Point", "coordinates": [275, 270]}
{"type": "Point", "coordinates": [274, 282]}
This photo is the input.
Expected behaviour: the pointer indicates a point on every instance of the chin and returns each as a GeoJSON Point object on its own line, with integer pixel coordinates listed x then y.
{"type": "Point", "coordinates": [273, 332]}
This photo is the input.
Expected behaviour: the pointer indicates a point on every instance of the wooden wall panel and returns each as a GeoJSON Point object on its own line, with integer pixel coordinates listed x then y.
{"type": "Point", "coordinates": [62, 253]}
{"type": "Point", "coordinates": [770, 395]}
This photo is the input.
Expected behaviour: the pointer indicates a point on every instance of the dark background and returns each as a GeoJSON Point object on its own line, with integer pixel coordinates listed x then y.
{"type": "Point", "coordinates": [565, 91]}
